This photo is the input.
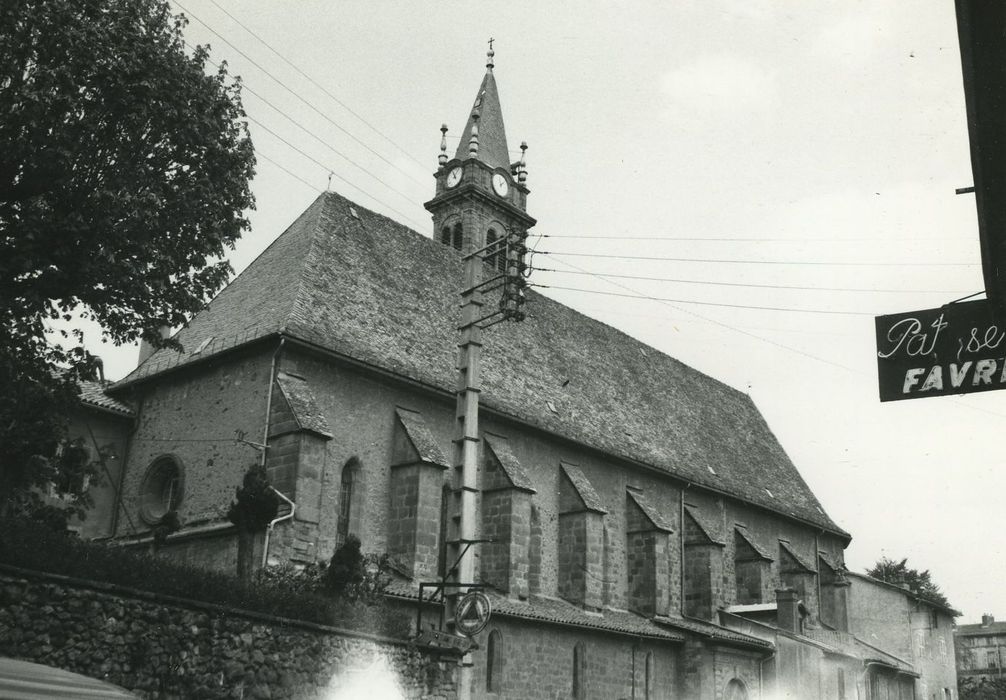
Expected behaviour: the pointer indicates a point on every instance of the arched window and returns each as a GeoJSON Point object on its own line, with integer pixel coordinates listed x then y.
{"type": "Point", "coordinates": [736, 690]}
{"type": "Point", "coordinates": [579, 684]}
{"type": "Point", "coordinates": [648, 676]}
{"type": "Point", "coordinates": [456, 239]}
{"type": "Point", "coordinates": [491, 253]}
{"type": "Point", "coordinates": [350, 477]}
{"type": "Point", "coordinates": [445, 235]}
{"type": "Point", "coordinates": [161, 490]}
{"type": "Point", "coordinates": [494, 662]}
{"type": "Point", "coordinates": [445, 503]}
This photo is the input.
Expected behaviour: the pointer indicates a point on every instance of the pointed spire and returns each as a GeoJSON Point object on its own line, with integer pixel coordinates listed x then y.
{"type": "Point", "coordinates": [486, 118]}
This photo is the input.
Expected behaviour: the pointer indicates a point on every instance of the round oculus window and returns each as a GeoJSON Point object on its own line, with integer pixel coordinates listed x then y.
{"type": "Point", "coordinates": [162, 489]}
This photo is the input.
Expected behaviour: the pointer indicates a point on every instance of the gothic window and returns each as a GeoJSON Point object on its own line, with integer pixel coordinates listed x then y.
{"type": "Point", "coordinates": [161, 489]}
{"type": "Point", "coordinates": [648, 676]}
{"type": "Point", "coordinates": [350, 477]}
{"type": "Point", "coordinates": [494, 662]}
{"type": "Point", "coordinates": [579, 685]}
{"type": "Point", "coordinates": [445, 501]}
{"type": "Point", "coordinates": [736, 690]}
{"type": "Point", "coordinates": [456, 238]}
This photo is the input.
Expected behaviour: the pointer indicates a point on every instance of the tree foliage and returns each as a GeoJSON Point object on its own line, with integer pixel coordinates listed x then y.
{"type": "Point", "coordinates": [257, 504]}
{"type": "Point", "coordinates": [124, 170]}
{"type": "Point", "coordinates": [919, 582]}
{"type": "Point", "coordinates": [356, 576]}
{"type": "Point", "coordinates": [970, 688]}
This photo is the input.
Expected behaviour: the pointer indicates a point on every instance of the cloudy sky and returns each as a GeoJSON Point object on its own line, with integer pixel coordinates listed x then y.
{"type": "Point", "coordinates": [792, 164]}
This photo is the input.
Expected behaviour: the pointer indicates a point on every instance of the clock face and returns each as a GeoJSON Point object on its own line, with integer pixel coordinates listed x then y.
{"type": "Point", "coordinates": [500, 184]}
{"type": "Point", "coordinates": [454, 177]}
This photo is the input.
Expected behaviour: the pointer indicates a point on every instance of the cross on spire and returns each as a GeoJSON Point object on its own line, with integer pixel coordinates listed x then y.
{"type": "Point", "coordinates": [490, 54]}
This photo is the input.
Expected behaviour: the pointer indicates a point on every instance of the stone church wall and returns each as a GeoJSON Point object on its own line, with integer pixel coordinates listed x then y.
{"type": "Point", "coordinates": [168, 648]}
{"type": "Point", "coordinates": [195, 416]}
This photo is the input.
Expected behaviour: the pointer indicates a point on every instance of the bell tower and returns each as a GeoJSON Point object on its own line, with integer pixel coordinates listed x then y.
{"type": "Point", "coordinates": [480, 195]}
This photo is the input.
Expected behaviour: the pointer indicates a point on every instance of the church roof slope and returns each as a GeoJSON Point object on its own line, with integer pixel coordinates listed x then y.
{"type": "Point", "coordinates": [378, 292]}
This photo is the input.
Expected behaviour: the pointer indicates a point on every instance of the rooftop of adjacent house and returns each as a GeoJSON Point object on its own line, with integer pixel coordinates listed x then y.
{"type": "Point", "coordinates": [361, 286]}
{"type": "Point", "coordinates": [988, 627]}
{"type": "Point", "coordinates": [908, 592]}
{"type": "Point", "coordinates": [92, 393]}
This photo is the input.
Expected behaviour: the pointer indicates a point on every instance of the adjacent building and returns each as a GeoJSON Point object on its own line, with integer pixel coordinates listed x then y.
{"type": "Point", "coordinates": [981, 649]}
{"type": "Point", "coordinates": [642, 532]}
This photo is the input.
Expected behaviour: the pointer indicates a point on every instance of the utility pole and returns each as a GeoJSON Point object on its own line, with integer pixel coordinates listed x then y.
{"type": "Point", "coordinates": [474, 319]}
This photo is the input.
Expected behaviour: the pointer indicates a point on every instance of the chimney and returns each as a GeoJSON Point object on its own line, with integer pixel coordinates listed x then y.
{"type": "Point", "coordinates": [788, 610]}
{"type": "Point", "coordinates": [147, 349]}
{"type": "Point", "coordinates": [987, 620]}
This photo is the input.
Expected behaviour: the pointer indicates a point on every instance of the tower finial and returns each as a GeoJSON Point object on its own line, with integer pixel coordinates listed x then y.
{"type": "Point", "coordinates": [473, 143]}
{"type": "Point", "coordinates": [490, 54]}
{"type": "Point", "coordinates": [442, 158]}
{"type": "Point", "coordinates": [522, 166]}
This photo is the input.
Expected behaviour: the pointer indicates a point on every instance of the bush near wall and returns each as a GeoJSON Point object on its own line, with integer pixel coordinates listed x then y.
{"type": "Point", "coordinates": [26, 545]}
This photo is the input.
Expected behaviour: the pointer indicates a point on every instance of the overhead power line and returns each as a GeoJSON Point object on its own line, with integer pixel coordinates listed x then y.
{"type": "Point", "coordinates": [259, 154]}
{"type": "Point", "coordinates": [330, 170]}
{"type": "Point", "coordinates": [317, 138]}
{"type": "Point", "coordinates": [703, 239]}
{"type": "Point", "coordinates": [763, 262]}
{"type": "Point", "coordinates": [756, 286]}
{"type": "Point", "coordinates": [319, 86]}
{"type": "Point", "coordinates": [706, 303]}
{"type": "Point", "coordinates": [727, 326]}
{"type": "Point", "coordinates": [298, 96]}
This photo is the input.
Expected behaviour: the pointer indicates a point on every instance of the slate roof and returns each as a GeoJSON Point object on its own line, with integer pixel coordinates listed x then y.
{"type": "Point", "coordinates": [708, 629]}
{"type": "Point", "coordinates": [92, 393]}
{"type": "Point", "coordinates": [753, 544]}
{"type": "Point", "coordinates": [980, 630]}
{"type": "Point", "coordinates": [500, 447]}
{"type": "Point", "coordinates": [302, 403]}
{"type": "Point", "coordinates": [650, 512]}
{"type": "Point", "coordinates": [373, 290]}
{"type": "Point", "coordinates": [801, 562]}
{"type": "Point", "coordinates": [696, 515]}
{"type": "Point", "coordinates": [492, 136]}
{"type": "Point", "coordinates": [558, 611]}
{"type": "Point", "coordinates": [420, 437]}
{"type": "Point", "coordinates": [591, 501]}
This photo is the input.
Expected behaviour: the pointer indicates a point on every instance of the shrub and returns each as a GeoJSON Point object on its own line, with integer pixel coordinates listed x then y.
{"type": "Point", "coordinates": [27, 545]}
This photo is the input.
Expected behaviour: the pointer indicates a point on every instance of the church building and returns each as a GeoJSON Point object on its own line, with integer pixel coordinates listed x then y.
{"type": "Point", "coordinates": [639, 530]}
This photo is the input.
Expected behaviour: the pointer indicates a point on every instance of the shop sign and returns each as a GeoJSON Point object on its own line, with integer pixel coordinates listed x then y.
{"type": "Point", "coordinates": [955, 349]}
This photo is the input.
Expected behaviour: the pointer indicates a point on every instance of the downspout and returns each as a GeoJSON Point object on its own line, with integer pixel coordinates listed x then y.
{"type": "Point", "coordinates": [761, 672]}
{"type": "Point", "coordinates": [681, 551]}
{"type": "Point", "coordinates": [265, 450]}
{"type": "Point", "coordinates": [817, 568]}
{"type": "Point", "coordinates": [268, 530]}
{"type": "Point", "coordinates": [268, 398]}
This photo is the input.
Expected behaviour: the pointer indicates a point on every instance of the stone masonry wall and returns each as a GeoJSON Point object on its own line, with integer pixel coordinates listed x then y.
{"type": "Point", "coordinates": [166, 648]}
{"type": "Point", "coordinates": [536, 661]}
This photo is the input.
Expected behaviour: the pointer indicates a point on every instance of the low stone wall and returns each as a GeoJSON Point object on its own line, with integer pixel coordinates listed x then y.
{"type": "Point", "coordinates": [162, 647]}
